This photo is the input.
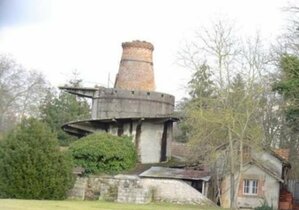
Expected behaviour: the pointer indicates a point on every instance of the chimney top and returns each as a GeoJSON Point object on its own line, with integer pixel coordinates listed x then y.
{"type": "Point", "coordinates": [138, 44]}
{"type": "Point", "coordinates": [136, 67]}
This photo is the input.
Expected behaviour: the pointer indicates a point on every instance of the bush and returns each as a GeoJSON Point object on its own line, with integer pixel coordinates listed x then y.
{"type": "Point", "coordinates": [31, 165]}
{"type": "Point", "coordinates": [265, 206]}
{"type": "Point", "coordinates": [104, 153]}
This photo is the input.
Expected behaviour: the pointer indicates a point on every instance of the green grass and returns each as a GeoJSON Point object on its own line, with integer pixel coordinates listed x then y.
{"type": "Point", "coordinates": [13, 204]}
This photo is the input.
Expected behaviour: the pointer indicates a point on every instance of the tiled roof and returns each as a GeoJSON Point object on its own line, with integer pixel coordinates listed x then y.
{"type": "Point", "coordinates": [284, 153]}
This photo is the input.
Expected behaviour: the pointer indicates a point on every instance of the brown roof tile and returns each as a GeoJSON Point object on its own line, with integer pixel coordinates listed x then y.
{"type": "Point", "coordinates": [284, 153]}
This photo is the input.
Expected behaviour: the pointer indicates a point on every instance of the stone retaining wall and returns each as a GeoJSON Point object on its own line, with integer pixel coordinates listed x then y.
{"type": "Point", "coordinates": [132, 189]}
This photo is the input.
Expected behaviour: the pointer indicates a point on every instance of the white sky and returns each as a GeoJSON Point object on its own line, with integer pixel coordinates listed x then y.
{"type": "Point", "coordinates": [59, 36]}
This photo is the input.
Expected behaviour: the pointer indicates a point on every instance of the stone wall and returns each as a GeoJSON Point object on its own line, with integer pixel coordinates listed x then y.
{"type": "Point", "coordinates": [132, 189]}
{"type": "Point", "coordinates": [123, 189]}
{"type": "Point", "coordinates": [79, 189]}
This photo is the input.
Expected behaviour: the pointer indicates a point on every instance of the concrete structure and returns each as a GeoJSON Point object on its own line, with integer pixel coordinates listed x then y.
{"type": "Point", "coordinates": [133, 189]}
{"type": "Point", "coordinates": [260, 181]}
{"type": "Point", "coordinates": [175, 191]}
{"type": "Point", "coordinates": [132, 107]}
{"type": "Point", "coordinates": [198, 179]}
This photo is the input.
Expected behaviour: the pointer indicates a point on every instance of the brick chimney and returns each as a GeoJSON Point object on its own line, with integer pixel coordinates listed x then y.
{"type": "Point", "coordinates": [136, 67]}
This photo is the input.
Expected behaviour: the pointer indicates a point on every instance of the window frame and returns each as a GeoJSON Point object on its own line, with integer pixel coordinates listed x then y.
{"type": "Point", "coordinates": [250, 187]}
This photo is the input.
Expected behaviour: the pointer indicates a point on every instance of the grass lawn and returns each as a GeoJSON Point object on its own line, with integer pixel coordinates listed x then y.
{"type": "Point", "coordinates": [12, 204]}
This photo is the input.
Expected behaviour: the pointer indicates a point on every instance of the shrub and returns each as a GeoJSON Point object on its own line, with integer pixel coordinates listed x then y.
{"type": "Point", "coordinates": [264, 206]}
{"type": "Point", "coordinates": [31, 165]}
{"type": "Point", "coordinates": [104, 153]}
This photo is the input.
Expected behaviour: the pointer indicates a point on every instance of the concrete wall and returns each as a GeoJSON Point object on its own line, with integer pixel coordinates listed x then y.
{"type": "Point", "coordinates": [132, 189]}
{"type": "Point", "coordinates": [175, 191]}
{"type": "Point", "coordinates": [117, 103]}
{"type": "Point", "coordinates": [148, 138]}
{"type": "Point", "coordinates": [169, 138]}
{"type": "Point", "coordinates": [150, 142]}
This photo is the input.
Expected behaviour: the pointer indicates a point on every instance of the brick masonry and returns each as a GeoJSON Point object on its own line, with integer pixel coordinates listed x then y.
{"type": "Point", "coordinates": [136, 67]}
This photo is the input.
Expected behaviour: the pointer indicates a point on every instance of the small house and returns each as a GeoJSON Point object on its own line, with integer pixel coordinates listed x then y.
{"type": "Point", "coordinates": [260, 181]}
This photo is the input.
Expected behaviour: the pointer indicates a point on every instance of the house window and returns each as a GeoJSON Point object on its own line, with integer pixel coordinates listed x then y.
{"type": "Point", "coordinates": [250, 186]}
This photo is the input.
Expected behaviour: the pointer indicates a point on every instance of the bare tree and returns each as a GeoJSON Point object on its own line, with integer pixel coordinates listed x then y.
{"type": "Point", "coordinates": [232, 112]}
{"type": "Point", "coordinates": [20, 92]}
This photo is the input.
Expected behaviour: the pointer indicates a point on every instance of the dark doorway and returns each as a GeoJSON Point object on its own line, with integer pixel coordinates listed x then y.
{"type": "Point", "coordinates": [197, 185]}
{"type": "Point", "coordinates": [164, 143]}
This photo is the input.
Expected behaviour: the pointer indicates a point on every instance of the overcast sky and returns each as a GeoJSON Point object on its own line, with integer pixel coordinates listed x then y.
{"type": "Point", "coordinates": [58, 36]}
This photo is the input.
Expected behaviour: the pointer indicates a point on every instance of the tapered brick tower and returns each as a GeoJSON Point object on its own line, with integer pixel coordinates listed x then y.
{"type": "Point", "coordinates": [132, 107]}
{"type": "Point", "coordinates": [136, 67]}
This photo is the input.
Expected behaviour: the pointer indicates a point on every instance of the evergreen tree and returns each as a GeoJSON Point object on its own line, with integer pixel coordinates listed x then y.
{"type": "Point", "coordinates": [31, 164]}
{"type": "Point", "coordinates": [201, 84]}
{"type": "Point", "coordinates": [288, 87]}
{"type": "Point", "coordinates": [57, 111]}
{"type": "Point", "coordinates": [200, 87]}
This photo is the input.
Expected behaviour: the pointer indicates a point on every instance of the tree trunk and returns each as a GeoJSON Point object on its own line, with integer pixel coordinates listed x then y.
{"type": "Point", "coordinates": [232, 177]}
